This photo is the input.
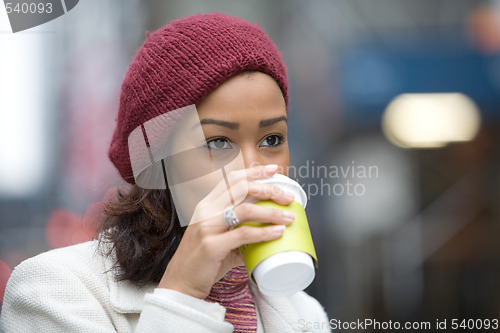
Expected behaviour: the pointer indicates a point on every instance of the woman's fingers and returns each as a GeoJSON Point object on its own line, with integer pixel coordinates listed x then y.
{"type": "Point", "coordinates": [242, 185]}
{"type": "Point", "coordinates": [233, 188]}
{"type": "Point", "coordinates": [269, 192]}
{"type": "Point", "coordinates": [261, 171]}
{"type": "Point", "coordinates": [248, 235]}
{"type": "Point", "coordinates": [251, 174]}
{"type": "Point", "coordinates": [250, 212]}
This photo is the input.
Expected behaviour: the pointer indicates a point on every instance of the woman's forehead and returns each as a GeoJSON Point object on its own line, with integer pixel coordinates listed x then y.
{"type": "Point", "coordinates": [244, 97]}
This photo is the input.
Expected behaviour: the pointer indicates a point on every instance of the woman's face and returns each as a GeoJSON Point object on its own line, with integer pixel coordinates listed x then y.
{"type": "Point", "coordinates": [240, 124]}
{"type": "Point", "coordinates": [247, 110]}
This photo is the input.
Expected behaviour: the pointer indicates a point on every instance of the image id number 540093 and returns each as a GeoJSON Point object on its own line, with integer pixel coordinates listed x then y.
{"type": "Point", "coordinates": [28, 7]}
{"type": "Point", "coordinates": [474, 324]}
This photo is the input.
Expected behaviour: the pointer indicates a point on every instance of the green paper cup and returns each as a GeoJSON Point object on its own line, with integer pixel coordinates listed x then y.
{"type": "Point", "coordinates": [286, 265]}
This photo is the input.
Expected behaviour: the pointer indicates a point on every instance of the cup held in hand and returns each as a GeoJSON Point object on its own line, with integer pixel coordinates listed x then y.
{"type": "Point", "coordinates": [283, 266]}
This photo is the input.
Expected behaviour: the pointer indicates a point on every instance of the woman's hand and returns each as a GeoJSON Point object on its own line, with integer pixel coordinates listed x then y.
{"type": "Point", "coordinates": [208, 250]}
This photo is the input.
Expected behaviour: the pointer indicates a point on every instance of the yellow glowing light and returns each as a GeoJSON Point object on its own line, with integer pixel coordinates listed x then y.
{"type": "Point", "coordinates": [430, 120]}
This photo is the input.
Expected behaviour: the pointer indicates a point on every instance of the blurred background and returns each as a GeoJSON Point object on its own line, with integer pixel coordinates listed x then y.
{"type": "Point", "coordinates": [394, 133]}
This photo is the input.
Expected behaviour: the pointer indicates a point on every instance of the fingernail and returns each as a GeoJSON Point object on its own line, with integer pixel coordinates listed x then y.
{"type": "Point", "coordinates": [289, 195]}
{"type": "Point", "coordinates": [278, 229]}
{"type": "Point", "coordinates": [289, 215]}
{"type": "Point", "coordinates": [271, 167]}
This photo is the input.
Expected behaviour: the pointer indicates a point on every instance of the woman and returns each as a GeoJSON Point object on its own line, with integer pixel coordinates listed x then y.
{"type": "Point", "coordinates": [147, 272]}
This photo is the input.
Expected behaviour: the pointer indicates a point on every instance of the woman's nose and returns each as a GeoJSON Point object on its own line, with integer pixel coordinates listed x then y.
{"type": "Point", "coordinates": [251, 156]}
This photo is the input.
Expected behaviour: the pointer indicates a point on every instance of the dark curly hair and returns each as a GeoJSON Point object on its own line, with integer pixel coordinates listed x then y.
{"type": "Point", "coordinates": [143, 230]}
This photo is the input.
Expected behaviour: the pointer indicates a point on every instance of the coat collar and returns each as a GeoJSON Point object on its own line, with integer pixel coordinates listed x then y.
{"type": "Point", "coordinates": [278, 314]}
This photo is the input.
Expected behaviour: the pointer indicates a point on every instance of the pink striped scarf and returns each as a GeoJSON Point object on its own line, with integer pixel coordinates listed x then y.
{"type": "Point", "coordinates": [233, 293]}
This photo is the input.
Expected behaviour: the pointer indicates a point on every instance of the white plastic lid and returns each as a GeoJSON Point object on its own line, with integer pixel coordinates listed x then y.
{"type": "Point", "coordinates": [284, 273]}
{"type": "Point", "coordinates": [288, 185]}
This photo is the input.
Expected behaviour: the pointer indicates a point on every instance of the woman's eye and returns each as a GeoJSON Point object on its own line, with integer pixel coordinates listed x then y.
{"type": "Point", "coordinates": [218, 144]}
{"type": "Point", "coordinates": [272, 140]}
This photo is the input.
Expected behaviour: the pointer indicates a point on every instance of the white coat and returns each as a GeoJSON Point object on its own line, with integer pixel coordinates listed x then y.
{"type": "Point", "coordinates": [73, 290]}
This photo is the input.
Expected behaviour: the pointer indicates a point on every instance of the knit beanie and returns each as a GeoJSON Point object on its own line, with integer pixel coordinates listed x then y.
{"type": "Point", "coordinates": [180, 64]}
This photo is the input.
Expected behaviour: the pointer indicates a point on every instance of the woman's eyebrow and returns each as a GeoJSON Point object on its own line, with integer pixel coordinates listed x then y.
{"type": "Point", "coordinates": [271, 121]}
{"type": "Point", "coordinates": [228, 124]}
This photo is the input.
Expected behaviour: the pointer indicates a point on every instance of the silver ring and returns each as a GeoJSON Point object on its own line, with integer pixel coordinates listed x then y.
{"type": "Point", "coordinates": [230, 218]}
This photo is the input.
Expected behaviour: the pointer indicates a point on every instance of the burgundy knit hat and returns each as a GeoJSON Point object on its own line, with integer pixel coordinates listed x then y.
{"type": "Point", "coordinates": [179, 64]}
